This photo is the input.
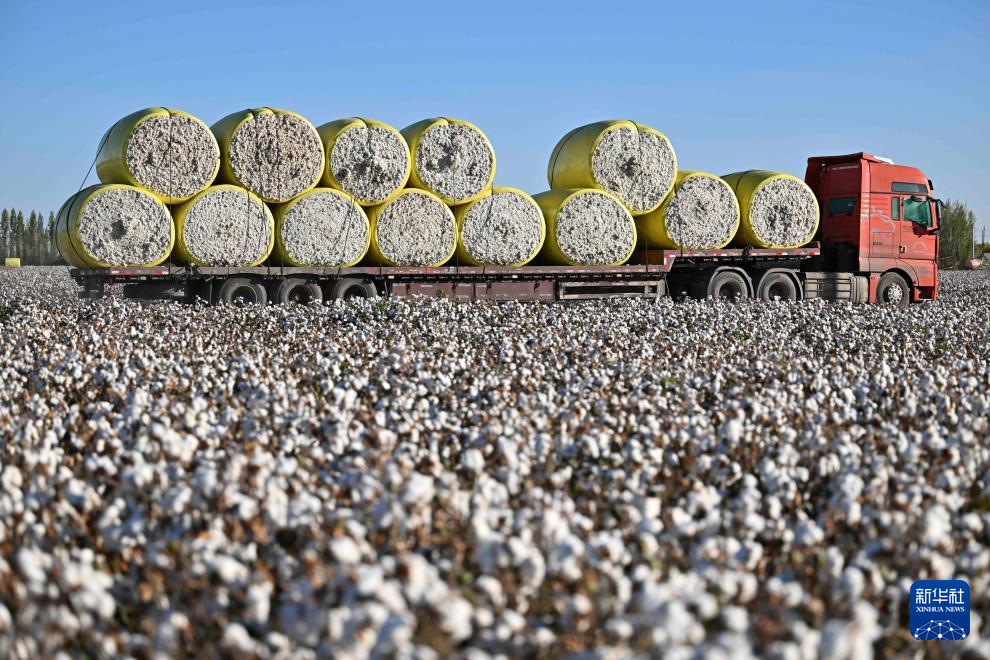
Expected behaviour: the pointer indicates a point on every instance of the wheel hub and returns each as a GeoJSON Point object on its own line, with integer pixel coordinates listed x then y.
{"type": "Point", "coordinates": [893, 294]}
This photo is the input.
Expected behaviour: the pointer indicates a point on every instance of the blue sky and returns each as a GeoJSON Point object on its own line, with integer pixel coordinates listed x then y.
{"type": "Point", "coordinates": [735, 85]}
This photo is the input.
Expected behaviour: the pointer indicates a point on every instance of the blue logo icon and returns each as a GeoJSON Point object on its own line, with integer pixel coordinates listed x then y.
{"type": "Point", "coordinates": [940, 609]}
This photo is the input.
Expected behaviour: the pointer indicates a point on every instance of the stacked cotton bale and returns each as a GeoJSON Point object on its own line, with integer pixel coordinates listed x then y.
{"type": "Point", "coordinates": [167, 152]}
{"type": "Point", "coordinates": [586, 227]}
{"type": "Point", "coordinates": [504, 227]}
{"type": "Point", "coordinates": [600, 176]}
{"type": "Point", "coordinates": [114, 225]}
{"type": "Point", "coordinates": [776, 210]}
{"type": "Point", "coordinates": [633, 162]}
{"type": "Point", "coordinates": [701, 214]}
{"type": "Point", "coordinates": [147, 159]}
{"type": "Point", "coordinates": [275, 154]}
{"type": "Point", "coordinates": [224, 225]}
{"type": "Point", "coordinates": [266, 155]}
{"type": "Point", "coordinates": [454, 161]}
{"type": "Point", "coordinates": [321, 227]}
{"type": "Point", "coordinates": [367, 159]}
{"type": "Point", "coordinates": [427, 190]}
{"type": "Point", "coordinates": [451, 158]}
{"type": "Point", "coordinates": [415, 228]}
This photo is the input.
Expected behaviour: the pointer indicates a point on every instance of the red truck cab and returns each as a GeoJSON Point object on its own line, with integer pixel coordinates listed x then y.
{"type": "Point", "coordinates": [880, 220]}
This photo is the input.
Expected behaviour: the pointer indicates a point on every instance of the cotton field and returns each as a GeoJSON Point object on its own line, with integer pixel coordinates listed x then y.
{"type": "Point", "coordinates": [424, 478]}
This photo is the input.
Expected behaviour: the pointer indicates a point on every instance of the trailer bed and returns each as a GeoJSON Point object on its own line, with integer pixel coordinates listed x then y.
{"type": "Point", "coordinates": [645, 278]}
{"type": "Point", "coordinates": [654, 261]}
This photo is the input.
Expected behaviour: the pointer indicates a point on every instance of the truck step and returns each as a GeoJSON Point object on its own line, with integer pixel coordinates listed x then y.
{"type": "Point", "coordinates": [584, 290]}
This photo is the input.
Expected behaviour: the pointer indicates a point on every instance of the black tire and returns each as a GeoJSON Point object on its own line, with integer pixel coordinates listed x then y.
{"type": "Point", "coordinates": [352, 287]}
{"type": "Point", "coordinates": [893, 290]}
{"type": "Point", "coordinates": [240, 291]}
{"type": "Point", "coordinates": [777, 285]}
{"type": "Point", "coordinates": [728, 284]}
{"type": "Point", "coordinates": [297, 290]}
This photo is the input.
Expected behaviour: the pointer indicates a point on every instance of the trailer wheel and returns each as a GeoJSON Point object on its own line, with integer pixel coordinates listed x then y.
{"type": "Point", "coordinates": [352, 287]}
{"type": "Point", "coordinates": [893, 290]}
{"type": "Point", "coordinates": [297, 290]}
{"type": "Point", "coordinates": [777, 285]}
{"type": "Point", "coordinates": [240, 291]}
{"type": "Point", "coordinates": [728, 284]}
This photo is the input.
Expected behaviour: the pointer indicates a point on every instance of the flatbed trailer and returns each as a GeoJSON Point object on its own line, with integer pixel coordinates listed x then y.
{"type": "Point", "coordinates": [730, 273]}
{"type": "Point", "coordinates": [877, 242]}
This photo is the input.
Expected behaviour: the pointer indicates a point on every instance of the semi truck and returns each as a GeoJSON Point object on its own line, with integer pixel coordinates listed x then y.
{"type": "Point", "coordinates": [877, 242]}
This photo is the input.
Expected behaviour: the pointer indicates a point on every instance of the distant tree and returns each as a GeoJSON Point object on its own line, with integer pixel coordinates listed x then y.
{"type": "Point", "coordinates": [4, 233]}
{"type": "Point", "coordinates": [52, 252]}
{"type": "Point", "coordinates": [31, 239]}
{"type": "Point", "coordinates": [956, 236]}
{"type": "Point", "coordinates": [12, 233]}
{"type": "Point", "coordinates": [18, 233]}
{"type": "Point", "coordinates": [38, 239]}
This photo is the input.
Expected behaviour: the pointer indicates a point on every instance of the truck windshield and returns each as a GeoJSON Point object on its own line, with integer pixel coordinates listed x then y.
{"type": "Point", "coordinates": [918, 212]}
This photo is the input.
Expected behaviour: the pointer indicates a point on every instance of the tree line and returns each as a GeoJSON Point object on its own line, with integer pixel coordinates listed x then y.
{"type": "Point", "coordinates": [957, 241]}
{"type": "Point", "coordinates": [31, 238]}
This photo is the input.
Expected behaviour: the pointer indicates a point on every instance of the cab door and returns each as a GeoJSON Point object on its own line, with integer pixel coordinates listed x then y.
{"type": "Point", "coordinates": [883, 229]}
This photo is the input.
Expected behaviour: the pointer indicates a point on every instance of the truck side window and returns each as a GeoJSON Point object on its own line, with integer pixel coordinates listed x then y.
{"type": "Point", "coordinates": [895, 208]}
{"type": "Point", "coordinates": [918, 212]}
{"type": "Point", "coordinates": [841, 206]}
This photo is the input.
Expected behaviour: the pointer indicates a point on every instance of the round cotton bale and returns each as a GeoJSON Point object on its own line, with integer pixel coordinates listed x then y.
{"type": "Point", "coordinates": [586, 227]}
{"type": "Point", "coordinates": [167, 152]}
{"type": "Point", "coordinates": [321, 227]}
{"type": "Point", "coordinates": [503, 228]}
{"type": "Point", "coordinates": [367, 159]}
{"type": "Point", "coordinates": [701, 214]}
{"type": "Point", "coordinates": [224, 225]}
{"type": "Point", "coordinates": [276, 154]}
{"type": "Point", "coordinates": [776, 210]}
{"type": "Point", "coordinates": [414, 229]}
{"type": "Point", "coordinates": [114, 225]}
{"type": "Point", "coordinates": [634, 162]}
{"type": "Point", "coordinates": [451, 158]}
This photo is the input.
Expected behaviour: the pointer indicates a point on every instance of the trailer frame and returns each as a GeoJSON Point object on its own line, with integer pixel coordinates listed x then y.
{"type": "Point", "coordinates": [646, 279]}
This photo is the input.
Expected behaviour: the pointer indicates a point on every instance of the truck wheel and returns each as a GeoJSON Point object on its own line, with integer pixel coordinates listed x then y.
{"type": "Point", "coordinates": [728, 284]}
{"type": "Point", "coordinates": [297, 290]}
{"type": "Point", "coordinates": [352, 287]}
{"type": "Point", "coordinates": [240, 291]}
{"type": "Point", "coordinates": [893, 290]}
{"type": "Point", "coordinates": [777, 285]}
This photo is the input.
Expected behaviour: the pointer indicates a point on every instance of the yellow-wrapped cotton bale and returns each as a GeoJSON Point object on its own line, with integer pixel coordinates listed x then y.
{"type": "Point", "coordinates": [114, 225]}
{"type": "Point", "coordinates": [451, 158]}
{"type": "Point", "coordinates": [633, 162]}
{"type": "Point", "coordinates": [414, 229]}
{"type": "Point", "coordinates": [321, 227]}
{"type": "Point", "coordinates": [165, 151]}
{"type": "Point", "coordinates": [586, 227]}
{"type": "Point", "coordinates": [701, 214]}
{"type": "Point", "coordinates": [276, 154]}
{"type": "Point", "coordinates": [223, 225]}
{"type": "Point", "coordinates": [776, 210]}
{"type": "Point", "coordinates": [367, 159]}
{"type": "Point", "coordinates": [505, 227]}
